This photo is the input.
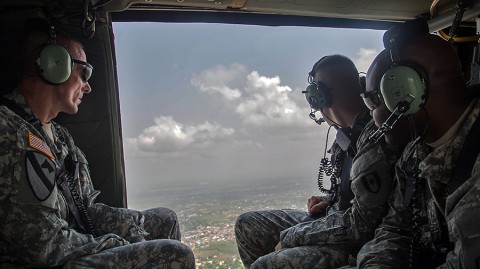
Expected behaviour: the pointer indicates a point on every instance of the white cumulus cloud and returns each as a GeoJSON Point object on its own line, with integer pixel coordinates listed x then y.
{"type": "Point", "coordinates": [259, 100]}
{"type": "Point", "coordinates": [365, 58]}
{"type": "Point", "coordinates": [267, 102]}
{"type": "Point", "coordinates": [262, 106]}
{"type": "Point", "coordinates": [168, 135]}
{"type": "Point", "coordinates": [220, 80]}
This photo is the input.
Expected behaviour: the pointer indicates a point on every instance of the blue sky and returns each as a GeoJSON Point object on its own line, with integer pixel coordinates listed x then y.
{"type": "Point", "coordinates": [213, 103]}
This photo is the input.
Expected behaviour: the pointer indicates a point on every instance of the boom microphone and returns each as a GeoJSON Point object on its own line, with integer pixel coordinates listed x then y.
{"type": "Point", "coordinates": [312, 116]}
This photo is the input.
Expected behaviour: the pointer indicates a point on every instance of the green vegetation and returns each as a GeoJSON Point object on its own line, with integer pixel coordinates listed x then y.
{"type": "Point", "coordinates": [207, 216]}
{"type": "Point", "coordinates": [221, 254]}
{"type": "Point", "coordinates": [223, 247]}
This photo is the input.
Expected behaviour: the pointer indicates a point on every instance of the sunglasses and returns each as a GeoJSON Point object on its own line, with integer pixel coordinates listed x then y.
{"type": "Point", "coordinates": [372, 99]}
{"type": "Point", "coordinates": [86, 71]}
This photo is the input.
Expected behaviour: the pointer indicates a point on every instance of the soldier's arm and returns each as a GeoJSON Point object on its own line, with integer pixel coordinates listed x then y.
{"type": "Point", "coordinates": [390, 248]}
{"type": "Point", "coordinates": [372, 183]}
{"type": "Point", "coordinates": [33, 230]}
{"type": "Point", "coordinates": [463, 213]}
{"type": "Point", "coordinates": [321, 231]}
{"type": "Point", "coordinates": [124, 222]}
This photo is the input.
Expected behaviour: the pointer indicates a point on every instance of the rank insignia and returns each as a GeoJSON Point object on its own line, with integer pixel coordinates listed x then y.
{"type": "Point", "coordinates": [40, 145]}
{"type": "Point", "coordinates": [40, 174]}
{"type": "Point", "coordinates": [372, 182]}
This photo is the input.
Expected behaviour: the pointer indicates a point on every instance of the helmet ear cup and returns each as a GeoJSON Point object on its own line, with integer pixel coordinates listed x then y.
{"type": "Point", "coordinates": [54, 64]}
{"type": "Point", "coordinates": [318, 95]}
{"type": "Point", "coordinates": [399, 83]}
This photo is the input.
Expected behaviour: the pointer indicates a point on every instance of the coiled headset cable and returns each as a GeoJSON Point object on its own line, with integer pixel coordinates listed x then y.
{"type": "Point", "coordinates": [327, 169]}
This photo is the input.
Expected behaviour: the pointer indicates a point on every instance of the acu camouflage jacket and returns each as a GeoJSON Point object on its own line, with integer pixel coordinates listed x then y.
{"type": "Point", "coordinates": [36, 227]}
{"type": "Point", "coordinates": [408, 234]}
{"type": "Point", "coordinates": [371, 179]}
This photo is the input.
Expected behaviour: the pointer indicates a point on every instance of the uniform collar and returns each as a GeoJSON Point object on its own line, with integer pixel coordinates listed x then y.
{"type": "Point", "coordinates": [448, 135]}
{"type": "Point", "coordinates": [18, 98]}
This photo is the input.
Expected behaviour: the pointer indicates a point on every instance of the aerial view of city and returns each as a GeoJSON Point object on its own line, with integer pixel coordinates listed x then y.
{"type": "Point", "coordinates": [207, 213]}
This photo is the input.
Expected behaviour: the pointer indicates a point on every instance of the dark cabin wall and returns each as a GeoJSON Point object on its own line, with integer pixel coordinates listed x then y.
{"type": "Point", "coordinates": [96, 128]}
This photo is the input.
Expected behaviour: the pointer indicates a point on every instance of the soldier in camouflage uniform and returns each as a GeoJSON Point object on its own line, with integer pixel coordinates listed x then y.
{"type": "Point", "coordinates": [415, 232]}
{"type": "Point", "coordinates": [48, 214]}
{"type": "Point", "coordinates": [299, 239]}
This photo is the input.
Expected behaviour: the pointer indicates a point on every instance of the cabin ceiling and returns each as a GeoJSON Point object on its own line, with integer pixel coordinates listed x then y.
{"type": "Point", "coordinates": [351, 9]}
{"type": "Point", "coordinates": [390, 10]}
{"type": "Point", "coordinates": [373, 14]}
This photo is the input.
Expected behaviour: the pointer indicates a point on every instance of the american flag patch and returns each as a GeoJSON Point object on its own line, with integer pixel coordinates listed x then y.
{"type": "Point", "coordinates": [40, 145]}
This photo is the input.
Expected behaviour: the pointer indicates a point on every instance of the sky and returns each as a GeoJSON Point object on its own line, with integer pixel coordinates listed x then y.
{"type": "Point", "coordinates": [218, 103]}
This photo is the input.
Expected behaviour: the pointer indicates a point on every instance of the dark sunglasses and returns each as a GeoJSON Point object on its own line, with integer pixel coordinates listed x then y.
{"type": "Point", "coordinates": [372, 99]}
{"type": "Point", "coordinates": [86, 71]}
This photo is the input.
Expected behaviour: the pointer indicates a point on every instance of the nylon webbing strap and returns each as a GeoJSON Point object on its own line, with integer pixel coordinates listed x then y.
{"type": "Point", "coordinates": [20, 112]}
{"type": "Point", "coordinates": [62, 183]}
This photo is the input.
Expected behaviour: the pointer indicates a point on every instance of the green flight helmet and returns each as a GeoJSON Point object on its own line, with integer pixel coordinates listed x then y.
{"type": "Point", "coordinates": [403, 83]}
{"type": "Point", "coordinates": [54, 64]}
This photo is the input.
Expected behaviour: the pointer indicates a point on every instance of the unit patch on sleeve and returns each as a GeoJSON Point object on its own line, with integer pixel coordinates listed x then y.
{"type": "Point", "coordinates": [40, 145]}
{"type": "Point", "coordinates": [372, 182]}
{"type": "Point", "coordinates": [40, 174]}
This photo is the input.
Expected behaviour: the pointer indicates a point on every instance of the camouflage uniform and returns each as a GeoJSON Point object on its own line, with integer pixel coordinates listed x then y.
{"type": "Point", "coordinates": [38, 229]}
{"type": "Point", "coordinates": [463, 212]}
{"type": "Point", "coordinates": [329, 241]}
{"type": "Point", "coordinates": [409, 235]}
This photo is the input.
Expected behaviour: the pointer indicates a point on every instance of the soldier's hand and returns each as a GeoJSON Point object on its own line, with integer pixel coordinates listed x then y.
{"type": "Point", "coordinates": [278, 246]}
{"type": "Point", "coordinates": [317, 205]}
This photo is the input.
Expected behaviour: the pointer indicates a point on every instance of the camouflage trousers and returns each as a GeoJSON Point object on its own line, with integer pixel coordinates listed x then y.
{"type": "Point", "coordinates": [161, 223]}
{"type": "Point", "coordinates": [258, 232]}
{"type": "Point", "coordinates": [162, 249]}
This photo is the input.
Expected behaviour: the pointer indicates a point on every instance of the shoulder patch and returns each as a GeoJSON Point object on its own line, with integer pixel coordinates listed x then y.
{"type": "Point", "coordinates": [40, 145]}
{"type": "Point", "coordinates": [372, 182]}
{"type": "Point", "coordinates": [40, 174]}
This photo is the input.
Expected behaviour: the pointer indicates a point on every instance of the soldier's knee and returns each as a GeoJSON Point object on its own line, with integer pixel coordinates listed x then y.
{"type": "Point", "coordinates": [264, 262]}
{"type": "Point", "coordinates": [242, 222]}
{"type": "Point", "coordinates": [184, 255]}
{"type": "Point", "coordinates": [244, 219]}
{"type": "Point", "coordinates": [171, 213]}
{"type": "Point", "coordinates": [183, 250]}
{"type": "Point", "coordinates": [162, 212]}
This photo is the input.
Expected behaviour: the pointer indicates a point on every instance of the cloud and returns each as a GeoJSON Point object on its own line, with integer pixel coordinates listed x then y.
{"type": "Point", "coordinates": [365, 58]}
{"type": "Point", "coordinates": [220, 80]}
{"type": "Point", "coordinates": [265, 109]}
{"type": "Point", "coordinates": [168, 135]}
{"type": "Point", "coordinates": [260, 101]}
{"type": "Point", "coordinates": [267, 103]}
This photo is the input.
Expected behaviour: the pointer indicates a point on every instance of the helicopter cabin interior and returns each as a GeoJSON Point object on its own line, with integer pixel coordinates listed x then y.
{"type": "Point", "coordinates": [97, 127]}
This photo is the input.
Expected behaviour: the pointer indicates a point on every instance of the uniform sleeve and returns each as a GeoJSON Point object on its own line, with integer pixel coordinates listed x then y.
{"type": "Point", "coordinates": [124, 222]}
{"type": "Point", "coordinates": [390, 248]}
{"type": "Point", "coordinates": [33, 231]}
{"type": "Point", "coordinates": [372, 183]}
{"type": "Point", "coordinates": [328, 230]}
{"type": "Point", "coordinates": [463, 213]}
